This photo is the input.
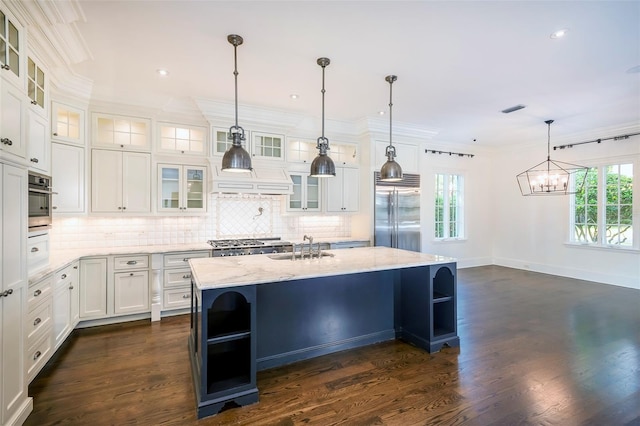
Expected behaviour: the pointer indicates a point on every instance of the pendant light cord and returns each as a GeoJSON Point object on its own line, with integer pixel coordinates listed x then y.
{"type": "Point", "coordinates": [235, 76]}
{"type": "Point", "coordinates": [391, 109]}
{"type": "Point", "coordinates": [323, 91]}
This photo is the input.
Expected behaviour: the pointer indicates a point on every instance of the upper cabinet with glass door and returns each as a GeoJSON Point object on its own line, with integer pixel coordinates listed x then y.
{"type": "Point", "coordinates": [11, 49]}
{"type": "Point", "coordinates": [220, 141]}
{"type": "Point", "coordinates": [120, 132]}
{"type": "Point", "coordinates": [67, 124]}
{"type": "Point", "coordinates": [181, 189]}
{"type": "Point", "coordinates": [301, 150]}
{"type": "Point", "coordinates": [180, 139]}
{"type": "Point", "coordinates": [36, 87]}
{"type": "Point", "coordinates": [344, 154]}
{"type": "Point", "coordinates": [267, 146]}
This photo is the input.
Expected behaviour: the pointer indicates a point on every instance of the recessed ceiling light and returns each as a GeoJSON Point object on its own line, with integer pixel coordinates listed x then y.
{"type": "Point", "coordinates": [381, 112]}
{"type": "Point", "coordinates": [293, 96]}
{"type": "Point", "coordinates": [560, 33]}
{"type": "Point", "coordinates": [162, 72]}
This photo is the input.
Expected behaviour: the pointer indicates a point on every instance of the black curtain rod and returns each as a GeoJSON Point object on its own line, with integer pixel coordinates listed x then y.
{"type": "Point", "coordinates": [615, 138]}
{"type": "Point", "coordinates": [459, 154]}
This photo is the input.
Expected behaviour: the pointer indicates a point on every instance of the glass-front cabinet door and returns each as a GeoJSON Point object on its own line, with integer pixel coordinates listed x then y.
{"type": "Point", "coordinates": [181, 189]}
{"type": "Point", "coordinates": [67, 123]}
{"type": "Point", "coordinates": [306, 193]}
{"type": "Point", "coordinates": [11, 42]}
{"type": "Point", "coordinates": [36, 86]}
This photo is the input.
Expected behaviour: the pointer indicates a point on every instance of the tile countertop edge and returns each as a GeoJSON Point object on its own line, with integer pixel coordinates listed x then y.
{"type": "Point", "coordinates": [61, 258]}
{"type": "Point", "coordinates": [225, 272]}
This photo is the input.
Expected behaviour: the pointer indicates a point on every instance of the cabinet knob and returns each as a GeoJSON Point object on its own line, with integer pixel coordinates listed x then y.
{"type": "Point", "coordinates": [37, 355]}
{"type": "Point", "coordinates": [37, 321]}
{"type": "Point", "coordinates": [185, 259]}
{"type": "Point", "coordinates": [55, 207]}
{"type": "Point", "coordinates": [124, 208]}
{"type": "Point", "coordinates": [6, 141]}
{"type": "Point", "coordinates": [63, 276]}
{"type": "Point", "coordinates": [70, 287]}
{"type": "Point", "coordinates": [34, 160]}
{"type": "Point", "coordinates": [186, 276]}
{"type": "Point", "coordinates": [37, 293]}
{"type": "Point", "coordinates": [34, 249]}
{"type": "Point", "coordinates": [119, 208]}
{"type": "Point", "coordinates": [55, 134]}
{"type": "Point", "coordinates": [130, 274]}
{"type": "Point", "coordinates": [75, 267]}
{"type": "Point", "coordinates": [5, 67]}
{"type": "Point", "coordinates": [186, 296]}
{"type": "Point", "coordinates": [34, 103]}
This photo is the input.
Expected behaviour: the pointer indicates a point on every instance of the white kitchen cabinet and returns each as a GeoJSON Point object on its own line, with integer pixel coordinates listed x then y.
{"type": "Point", "coordinates": [181, 189]}
{"type": "Point", "coordinates": [12, 41]}
{"type": "Point", "coordinates": [37, 88]}
{"type": "Point", "coordinates": [301, 150]}
{"type": "Point", "coordinates": [66, 302]}
{"type": "Point", "coordinates": [220, 141]}
{"type": "Point", "coordinates": [68, 177]}
{"type": "Point", "coordinates": [120, 182]}
{"type": "Point", "coordinates": [37, 251]}
{"type": "Point", "coordinates": [39, 145]}
{"type": "Point", "coordinates": [120, 132]}
{"type": "Point", "coordinates": [131, 292]}
{"type": "Point", "coordinates": [176, 284]}
{"type": "Point", "coordinates": [306, 193]}
{"type": "Point", "coordinates": [343, 191]}
{"type": "Point", "coordinates": [12, 123]}
{"type": "Point", "coordinates": [15, 404]}
{"type": "Point", "coordinates": [267, 146]}
{"type": "Point", "coordinates": [181, 139]}
{"type": "Point", "coordinates": [67, 124]}
{"type": "Point", "coordinates": [407, 155]}
{"type": "Point", "coordinates": [39, 325]}
{"type": "Point", "coordinates": [93, 287]}
{"type": "Point", "coordinates": [344, 154]}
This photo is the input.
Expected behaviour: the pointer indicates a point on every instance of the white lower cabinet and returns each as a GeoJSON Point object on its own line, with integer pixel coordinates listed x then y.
{"type": "Point", "coordinates": [114, 285]}
{"type": "Point", "coordinates": [66, 302]}
{"type": "Point", "coordinates": [176, 283]}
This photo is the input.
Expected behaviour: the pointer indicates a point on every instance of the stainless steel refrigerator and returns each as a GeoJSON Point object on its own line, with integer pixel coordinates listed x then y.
{"type": "Point", "coordinates": [397, 213]}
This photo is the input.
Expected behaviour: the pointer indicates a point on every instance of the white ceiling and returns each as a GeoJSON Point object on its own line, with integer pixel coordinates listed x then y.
{"type": "Point", "coordinates": [459, 63]}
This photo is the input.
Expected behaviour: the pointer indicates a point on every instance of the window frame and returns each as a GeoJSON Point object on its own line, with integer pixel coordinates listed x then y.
{"type": "Point", "coordinates": [460, 206]}
{"type": "Point", "coordinates": [601, 221]}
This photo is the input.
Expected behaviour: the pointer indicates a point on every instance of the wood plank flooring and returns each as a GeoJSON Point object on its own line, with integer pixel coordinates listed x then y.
{"type": "Point", "coordinates": [535, 350]}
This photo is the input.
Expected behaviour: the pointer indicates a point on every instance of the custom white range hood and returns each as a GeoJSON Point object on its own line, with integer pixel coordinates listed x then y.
{"type": "Point", "coordinates": [271, 181]}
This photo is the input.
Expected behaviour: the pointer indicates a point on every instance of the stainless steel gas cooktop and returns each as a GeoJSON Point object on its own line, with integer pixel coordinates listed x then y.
{"type": "Point", "coordinates": [248, 246]}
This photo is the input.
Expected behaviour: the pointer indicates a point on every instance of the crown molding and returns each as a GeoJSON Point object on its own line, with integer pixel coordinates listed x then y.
{"type": "Point", "coordinates": [378, 127]}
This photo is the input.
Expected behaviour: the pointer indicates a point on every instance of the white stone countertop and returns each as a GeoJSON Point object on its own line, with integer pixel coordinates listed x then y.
{"type": "Point", "coordinates": [221, 272]}
{"type": "Point", "coordinates": [61, 258]}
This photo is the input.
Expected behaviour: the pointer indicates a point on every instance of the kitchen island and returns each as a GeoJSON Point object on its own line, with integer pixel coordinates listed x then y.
{"type": "Point", "coordinates": [258, 312]}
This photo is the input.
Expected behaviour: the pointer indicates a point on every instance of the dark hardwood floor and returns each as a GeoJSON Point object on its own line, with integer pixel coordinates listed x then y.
{"type": "Point", "coordinates": [535, 349]}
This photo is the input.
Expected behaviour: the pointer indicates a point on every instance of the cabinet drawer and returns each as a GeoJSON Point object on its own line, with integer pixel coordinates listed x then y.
{"type": "Point", "coordinates": [37, 356]}
{"type": "Point", "coordinates": [176, 298]}
{"type": "Point", "coordinates": [37, 252]}
{"type": "Point", "coordinates": [130, 262]}
{"type": "Point", "coordinates": [64, 276]}
{"type": "Point", "coordinates": [39, 321]}
{"type": "Point", "coordinates": [177, 277]}
{"type": "Point", "coordinates": [40, 292]}
{"type": "Point", "coordinates": [180, 259]}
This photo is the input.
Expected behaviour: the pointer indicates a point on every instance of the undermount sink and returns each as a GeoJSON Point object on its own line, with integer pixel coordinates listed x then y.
{"type": "Point", "coordinates": [298, 256]}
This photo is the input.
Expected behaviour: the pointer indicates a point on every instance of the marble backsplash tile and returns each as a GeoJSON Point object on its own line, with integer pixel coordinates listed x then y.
{"type": "Point", "coordinates": [229, 216]}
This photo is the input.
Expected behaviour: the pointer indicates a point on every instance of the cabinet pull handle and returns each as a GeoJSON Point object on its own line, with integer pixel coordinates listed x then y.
{"type": "Point", "coordinates": [34, 249]}
{"type": "Point", "coordinates": [37, 321]}
{"type": "Point", "coordinates": [34, 103]}
{"type": "Point", "coordinates": [119, 208]}
{"type": "Point", "coordinates": [63, 276]}
{"type": "Point", "coordinates": [55, 134]}
{"type": "Point", "coordinates": [5, 67]}
{"type": "Point", "coordinates": [37, 355]}
{"type": "Point", "coordinates": [186, 276]}
{"type": "Point", "coordinates": [37, 293]}
{"type": "Point", "coordinates": [55, 207]}
{"type": "Point", "coordinates": [6, 141]}
{"type": "Point", "coordinates": [186, 296]}
{"type": "Point", "coordinates": [186, 259]}
{"type": "Point", "coordinates": [70, 287]}
{"type": "Point", "coordinates": [131, 274]}
{"type": "Point", "coordinates": [34, 160]}
{"type": "Point", "coordinates": [132, 262]}
{"type": "Point", "coordinates": [7, 293]}
{"type": "Point", "coordinates": [124, 208]}
{"type": "Point", "coordinates": [75, 267]}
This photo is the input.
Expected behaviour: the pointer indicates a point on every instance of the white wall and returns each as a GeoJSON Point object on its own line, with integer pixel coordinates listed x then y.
{"type": "Point", "coordinates": [532, 232]}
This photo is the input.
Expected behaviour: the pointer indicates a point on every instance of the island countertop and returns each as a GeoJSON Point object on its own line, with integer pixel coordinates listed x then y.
{"type": "Point", "coordinates": [221, 272]}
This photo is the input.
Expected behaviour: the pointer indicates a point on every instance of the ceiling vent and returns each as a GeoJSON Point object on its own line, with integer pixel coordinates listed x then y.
{"type": "Point", "coordinates": [513, 108]}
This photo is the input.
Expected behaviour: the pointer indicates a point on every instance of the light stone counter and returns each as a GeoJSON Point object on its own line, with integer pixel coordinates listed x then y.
{"type": "Point", "coordinates": [61, 258]}
{"type": "Point", "coordinates": [221, 272]}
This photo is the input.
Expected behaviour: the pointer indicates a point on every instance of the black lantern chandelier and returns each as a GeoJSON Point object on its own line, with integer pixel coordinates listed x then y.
{"type": "Point", "coordinates": [552, 177]}
{"type": "Point", "coordinates": [391, 171]}
{"type": "Point", "coordinates": [322, 165]}
{"type": "Point", "coordinates": [236, 159]}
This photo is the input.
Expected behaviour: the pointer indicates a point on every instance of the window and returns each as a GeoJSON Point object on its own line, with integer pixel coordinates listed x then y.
{"type": "Point", "coordinates": [449, 202]}
{"type": "Point", "coordinates": [602, 212]}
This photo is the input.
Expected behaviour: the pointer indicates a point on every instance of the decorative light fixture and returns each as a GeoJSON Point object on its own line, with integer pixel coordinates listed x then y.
{"type": "Point", "coordinates": [390, 171]}
{"type": "Point", "coordinates": [552, 177]}
{"type": "Point", "coordinates": [322, 165]}
{"type": "Point", "coordinates": [236, 159]}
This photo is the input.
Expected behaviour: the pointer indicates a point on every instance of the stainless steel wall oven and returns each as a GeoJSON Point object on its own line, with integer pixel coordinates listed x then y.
{"type": "Point", "coordinates": [40, 209]}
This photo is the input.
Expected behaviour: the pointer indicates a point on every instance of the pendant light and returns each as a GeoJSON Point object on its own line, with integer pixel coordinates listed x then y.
{"type": "Point", "coordinates": [552, 177]}
{"type": "Point", "coordinates": [236, 159]}
{"type": "Point", "coordinates": [322, 165]}
{"type": "Point", "coordinates": [390, 171]}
